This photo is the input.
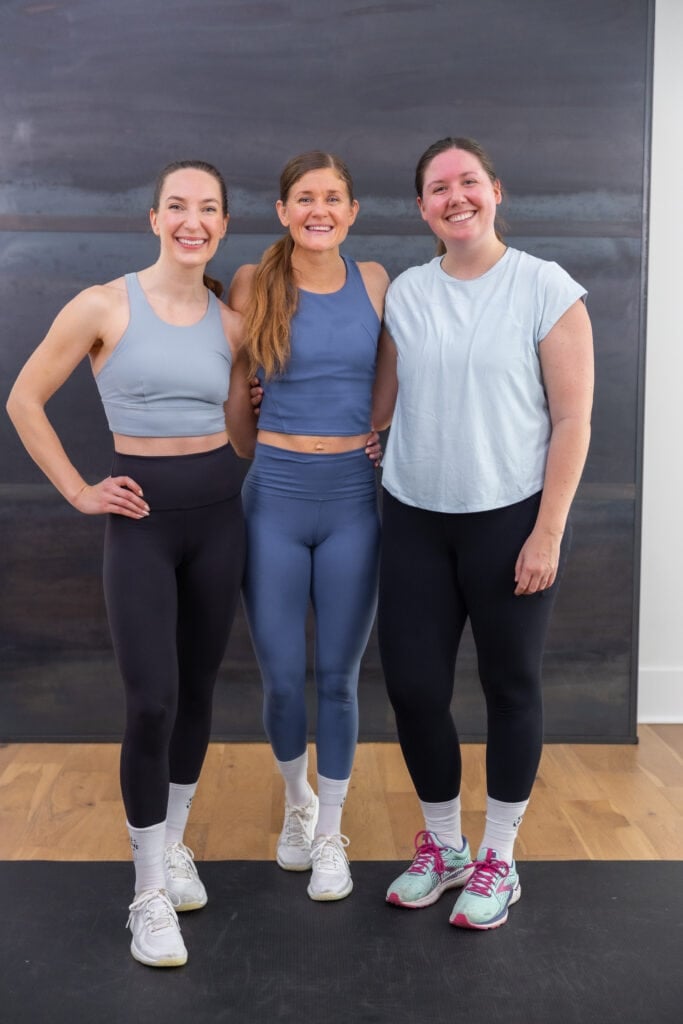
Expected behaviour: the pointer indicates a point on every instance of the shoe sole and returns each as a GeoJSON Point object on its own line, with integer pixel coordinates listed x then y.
{"type": "Point", "coordinates": [168, 961]}
{"type": "Point", "coordinates": [293, 867]}
{"type": "Point", "coordinates": [328, 897]}
{"type": "Point", "coordinates": [197, 905]}
{"type": "Point", "coordinates": [462, 921]}
{"type": "Point", "coordinates": [431, 897]}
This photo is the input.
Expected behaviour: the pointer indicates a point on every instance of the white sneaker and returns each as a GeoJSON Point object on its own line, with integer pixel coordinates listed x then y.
{"type": "Point", "coordinates": [331, 877]}
{"type": "Point", "coordinates": [294, 845]}
{"type": "Point", "coordinates": [153, 921]}
{"type": "Point", "coordinates": [182, 880]}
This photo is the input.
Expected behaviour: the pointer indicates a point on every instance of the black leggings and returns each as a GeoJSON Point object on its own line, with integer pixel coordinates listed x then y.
{"type": "Point", "coordinates": [436, 570]}
{"type": "Point", "coordinates": [171, 584]}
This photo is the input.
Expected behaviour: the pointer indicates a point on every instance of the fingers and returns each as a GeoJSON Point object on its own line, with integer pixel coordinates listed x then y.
{"type": "Point", "coordinates": [529, 582]}
{"type": "Point", "coordinates": [119, 495]}
{"type": "Point", "coordinates": [123, 496]}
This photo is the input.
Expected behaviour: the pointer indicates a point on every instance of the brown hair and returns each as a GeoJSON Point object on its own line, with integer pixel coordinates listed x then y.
{"type": "Point", "coordinates": [194, 165]}
{"type": "Point", "coordinates": [273, 299]}
{"type": "Point", "coordinates": [469, 146]}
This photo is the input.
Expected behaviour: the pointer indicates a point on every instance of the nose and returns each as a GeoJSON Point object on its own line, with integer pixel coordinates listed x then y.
{"type": "Point", "coordinates": [192, 217]}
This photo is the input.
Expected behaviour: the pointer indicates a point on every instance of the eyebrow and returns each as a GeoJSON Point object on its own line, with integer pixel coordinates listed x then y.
{"type": "Point", "coordinates": [182, 199]}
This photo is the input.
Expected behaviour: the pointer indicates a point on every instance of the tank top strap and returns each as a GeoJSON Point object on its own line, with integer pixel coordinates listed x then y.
{"type": "Point", "coordinates": [137, 300]}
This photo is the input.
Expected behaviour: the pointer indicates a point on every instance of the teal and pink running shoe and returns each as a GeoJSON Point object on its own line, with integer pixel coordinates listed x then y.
{"type": "Point", "coordinates": [493, 887]}
{"type": "Point", "coordinates": [435, 868]}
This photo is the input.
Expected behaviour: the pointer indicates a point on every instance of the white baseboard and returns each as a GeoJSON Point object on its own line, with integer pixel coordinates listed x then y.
{"type": "Point", "coordinates": [660, 695]}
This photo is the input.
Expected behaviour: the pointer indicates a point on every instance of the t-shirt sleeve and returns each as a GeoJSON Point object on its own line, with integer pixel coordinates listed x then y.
{"type": "Point", "coordinates": [557, 291]}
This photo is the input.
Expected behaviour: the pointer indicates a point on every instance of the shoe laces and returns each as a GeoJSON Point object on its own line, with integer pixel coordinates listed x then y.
{"type": "Point", "coordinates": [486, 874]}
{"type": "Point", "coordinates": [180, 860]}
{"type": "Point", "coordinates": [427, 856]}
{"type": "Point", "coordinates": [328, 853]}
{"type": "Point", "coordinates": [296, 820]}
{"type": "Point", "coordinates": [157, 906]}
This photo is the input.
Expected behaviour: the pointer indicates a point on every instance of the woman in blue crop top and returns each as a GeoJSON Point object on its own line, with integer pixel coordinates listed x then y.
{"type": "Point", "coordinates": [161, 346]}
{"type": "Point", "coordinates": [312, 327]}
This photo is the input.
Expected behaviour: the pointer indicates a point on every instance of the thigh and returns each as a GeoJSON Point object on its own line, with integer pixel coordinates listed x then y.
{"type": "Point", "coordinates": [209, 579]}
{"type": "Point", "coordinates": [344, 581]}
{"type": "Point", "coordinates": [421, 611]}
{"type": "Point", "coordinates": [141, 598]}
{"type": "Point", "coordinates": [277, 579]}
{"type": "Point", "coordinates": [509, 631]}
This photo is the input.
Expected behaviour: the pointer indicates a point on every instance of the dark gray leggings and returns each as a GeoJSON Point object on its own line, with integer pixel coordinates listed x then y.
{"type": "Point", "coordinates": [171, 586]}
{"type": "Point", "coordinates": [436, 570]}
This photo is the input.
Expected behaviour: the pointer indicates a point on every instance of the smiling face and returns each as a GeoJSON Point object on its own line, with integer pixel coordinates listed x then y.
{"type": "Point", "coordinates": [190, 219]}
{"type": "Point", "coordinates": [318, 210]}
{"type": "Point", "coordinates": [459, 199]}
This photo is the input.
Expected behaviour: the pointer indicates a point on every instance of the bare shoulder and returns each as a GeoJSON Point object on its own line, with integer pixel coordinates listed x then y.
{"type": "Point", "coordinates": [376, 281]}
{"type": "Point", "coordinates": [233, 326]}
{"type": "Point", "coordinates": [241, 285]}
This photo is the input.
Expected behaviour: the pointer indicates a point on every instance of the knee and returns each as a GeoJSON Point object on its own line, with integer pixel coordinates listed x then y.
{"type": "Point", "coordinates": [150, 723]}
{"type": "Point", "coordinates": [338, 686]}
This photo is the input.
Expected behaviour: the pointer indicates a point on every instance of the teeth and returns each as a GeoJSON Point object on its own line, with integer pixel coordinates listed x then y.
{"type": "Point", "coordinates": [454, 218]}
{"type": "Point", "coordinates": [193, 242]}
{"type": "Point", "coordinates": [318, 227]}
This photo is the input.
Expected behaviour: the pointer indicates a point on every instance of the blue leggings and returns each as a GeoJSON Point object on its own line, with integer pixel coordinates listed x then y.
{"type": "Point", "coordinates": [312, 538]}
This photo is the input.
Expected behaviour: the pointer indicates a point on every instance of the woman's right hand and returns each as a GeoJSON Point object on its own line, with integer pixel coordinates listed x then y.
{"type": "Point", "coordinates": [117, 494]}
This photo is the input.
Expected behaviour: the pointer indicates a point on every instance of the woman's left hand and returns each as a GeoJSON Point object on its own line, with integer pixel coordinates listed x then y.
{"type": "Point", "coordinates": [536, 566]}
{"type": "Point", "coordinates": [373, 449]}
{"type": "Point", "coordinates": [255, 394]}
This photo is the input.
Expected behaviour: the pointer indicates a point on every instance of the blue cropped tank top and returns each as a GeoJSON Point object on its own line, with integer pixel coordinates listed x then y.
{"type": "Point", "coordinates": [166, 381]}
{"type": "Point", "coordinates": [326, 388]}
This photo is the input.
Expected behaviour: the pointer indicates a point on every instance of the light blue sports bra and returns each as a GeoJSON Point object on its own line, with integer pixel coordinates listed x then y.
{"type": "Point", "coordinates": [166, 381]}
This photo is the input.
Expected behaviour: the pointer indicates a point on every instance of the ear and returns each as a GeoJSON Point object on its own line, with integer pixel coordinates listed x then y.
{"type": "Point", "coordinates": [282, 213]}
{"type": "Point", "coordinates": [498, 191]}
{"type": "Point", "coordinates": [226, 220]}
{"type": "Point", "coordinates": [355, 207]}
{"type": "Point", "coordinates": [153, 221]}
{"type": "Point", "coordinates": [421, 207]}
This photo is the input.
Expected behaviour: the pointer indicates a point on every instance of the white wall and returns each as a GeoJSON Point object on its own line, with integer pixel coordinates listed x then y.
{"type": "Point", "coordinates": [661, 601]}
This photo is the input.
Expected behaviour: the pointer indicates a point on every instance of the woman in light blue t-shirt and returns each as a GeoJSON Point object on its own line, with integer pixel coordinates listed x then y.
{"type": "Point", "coordinates": [491, 372]}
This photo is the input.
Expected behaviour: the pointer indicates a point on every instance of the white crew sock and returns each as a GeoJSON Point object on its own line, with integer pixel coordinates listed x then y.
{"type": "Point", "coordinates": [331, 793]}
{"type": "Point", "coordinates": [147, 846]}
{"type": "Point", "coordinates": [295, 773]}
{"type": "Point", "coordinates": [502, 824]}
{"type": "Point", "coordinates": [179, 803]}
{"type": "Point", "coordinates": [444, 819]}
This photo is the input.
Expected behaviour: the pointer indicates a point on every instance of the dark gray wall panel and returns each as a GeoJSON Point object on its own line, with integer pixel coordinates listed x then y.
{"type": "Point", "coordinates": [96, 97]}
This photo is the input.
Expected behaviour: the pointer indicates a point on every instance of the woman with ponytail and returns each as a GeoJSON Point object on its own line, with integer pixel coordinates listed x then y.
{"type": "Point", "coordinates": [312, 326]}
{"type": "Point", "coordinates": [161, 347]}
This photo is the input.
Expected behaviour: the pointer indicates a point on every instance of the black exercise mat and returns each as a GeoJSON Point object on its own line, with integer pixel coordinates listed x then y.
{"type": "Point", "coordinates": [589, 943]}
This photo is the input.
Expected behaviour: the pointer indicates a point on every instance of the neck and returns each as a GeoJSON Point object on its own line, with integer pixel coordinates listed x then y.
{"type": "Point", "coordinates": [318, 271]}
{"type": "Point", "coordinates": [183, 284]}
{"type": "Point", "coordinates": [467, 263]}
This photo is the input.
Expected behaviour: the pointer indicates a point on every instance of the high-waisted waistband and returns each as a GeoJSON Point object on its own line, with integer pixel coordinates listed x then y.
{"type": "Point", "coordinates": [315, 477]}
{"type": "Point", "coordinates": [183, 481]}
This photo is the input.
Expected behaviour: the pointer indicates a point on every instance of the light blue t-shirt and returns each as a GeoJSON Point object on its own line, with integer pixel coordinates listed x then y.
{"type": "Point", "coordinates": [471, 426]}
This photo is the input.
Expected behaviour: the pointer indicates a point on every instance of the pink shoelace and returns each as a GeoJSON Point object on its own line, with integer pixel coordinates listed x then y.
{"type": "Point", "coordinates": [486, 874]}
{"type": "Point", "coordinates": [427, 854]}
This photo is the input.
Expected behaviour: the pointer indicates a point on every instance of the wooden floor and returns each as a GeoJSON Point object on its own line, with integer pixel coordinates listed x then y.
{"type": "Point", "coordinates": [62, 802]}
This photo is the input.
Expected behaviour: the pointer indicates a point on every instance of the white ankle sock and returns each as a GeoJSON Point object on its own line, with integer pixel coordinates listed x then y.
{"type": "Point", "coordinates": [295, 773]}
{"type": "Point", "coordinates": [444, 819]}
{"type": "Point", "coordinates": [147, 846]}
{"type": "Point", "coordinates": [331, 793]}
{"type": "Point", "coordinates": [502, 824]}
{"type": "Point", "coordinates": [179, 804]}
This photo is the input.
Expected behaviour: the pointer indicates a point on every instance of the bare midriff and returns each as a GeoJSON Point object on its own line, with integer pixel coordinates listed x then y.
{"type": "Point", "coordinates": [313, 443]}
{"type": "Point", "coordinates": [126, 445]}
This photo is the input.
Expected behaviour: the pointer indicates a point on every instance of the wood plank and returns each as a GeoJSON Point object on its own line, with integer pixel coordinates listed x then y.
{"type": "Point", "coordinates": [62, 802]}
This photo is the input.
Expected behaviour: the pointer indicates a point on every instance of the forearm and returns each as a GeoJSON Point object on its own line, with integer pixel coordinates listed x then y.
{"type": "Point", "coordinates": [43, 445]}
{"type": "Point", "coordinates": [566, 459]}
